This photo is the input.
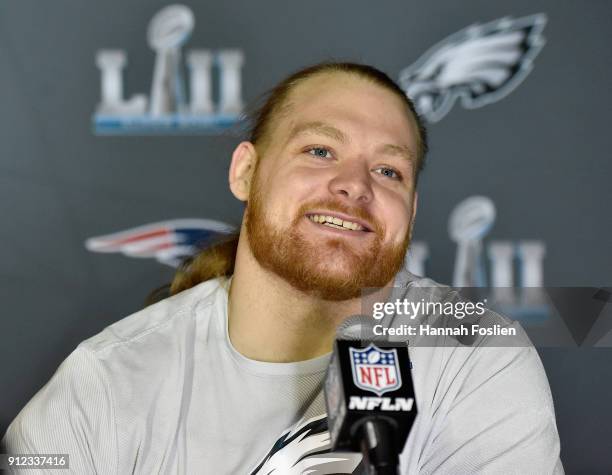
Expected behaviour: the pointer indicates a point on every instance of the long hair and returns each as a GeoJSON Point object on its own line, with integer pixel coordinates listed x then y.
{"type": "Point", "coordinates": [219, 259]}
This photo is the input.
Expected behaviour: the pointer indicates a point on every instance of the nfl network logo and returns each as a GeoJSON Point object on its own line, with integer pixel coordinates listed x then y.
{"type": "Point", "coordinates": [375, 370]}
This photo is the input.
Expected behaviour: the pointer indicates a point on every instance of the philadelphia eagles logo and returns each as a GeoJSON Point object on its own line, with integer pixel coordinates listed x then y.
{"type": "Point", "coordinates": [305, 449]}
{"type": "Point", "coordinates": [479, 65]}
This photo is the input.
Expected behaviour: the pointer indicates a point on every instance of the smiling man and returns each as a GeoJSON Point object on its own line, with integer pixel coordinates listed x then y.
{"type": "Point", "coordinates": [225, 376]}
{"type": "Point", "coordinates": [331, 200]}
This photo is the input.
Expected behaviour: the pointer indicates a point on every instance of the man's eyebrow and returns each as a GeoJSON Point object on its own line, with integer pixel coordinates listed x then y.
{"type": "Point", "coordinates": [317, 127]}
{"type": "Point", "coordinates": [398, 150]}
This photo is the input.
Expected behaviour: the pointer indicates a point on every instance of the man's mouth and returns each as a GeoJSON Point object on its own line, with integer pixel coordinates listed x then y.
{"type": "Point", "coordinates": [337, 222]}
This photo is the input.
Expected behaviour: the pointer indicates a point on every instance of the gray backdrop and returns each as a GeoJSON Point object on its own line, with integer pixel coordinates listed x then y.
{"type": "Point", "coordinates": [541, 153]}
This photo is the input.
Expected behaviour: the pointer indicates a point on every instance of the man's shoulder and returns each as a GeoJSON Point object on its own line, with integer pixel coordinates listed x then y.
{"type": "Point", "coordinates": [158, 322]}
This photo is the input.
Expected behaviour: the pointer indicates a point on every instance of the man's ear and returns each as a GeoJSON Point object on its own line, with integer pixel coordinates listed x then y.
{"type": "Point", "coordinates": [241, 170]}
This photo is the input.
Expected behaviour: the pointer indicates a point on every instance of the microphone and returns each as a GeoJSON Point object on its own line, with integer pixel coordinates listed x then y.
{"type": "Point", "coordinates": [369, 395]}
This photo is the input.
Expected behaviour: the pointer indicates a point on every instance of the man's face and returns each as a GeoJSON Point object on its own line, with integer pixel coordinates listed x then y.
{"type": "Point", "coordinates": [346, 150]}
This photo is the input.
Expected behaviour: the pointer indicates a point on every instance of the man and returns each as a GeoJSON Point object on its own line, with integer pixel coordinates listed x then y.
{"type": "Point", "coordinates": [225, 376]}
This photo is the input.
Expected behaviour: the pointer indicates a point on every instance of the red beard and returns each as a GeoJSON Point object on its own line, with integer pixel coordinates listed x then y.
{"type": "Point", "coordinates": [333, 270]}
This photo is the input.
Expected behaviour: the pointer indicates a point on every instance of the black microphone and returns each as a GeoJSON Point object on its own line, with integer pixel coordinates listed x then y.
{"type": "Point", "coordinates": [369, 395]}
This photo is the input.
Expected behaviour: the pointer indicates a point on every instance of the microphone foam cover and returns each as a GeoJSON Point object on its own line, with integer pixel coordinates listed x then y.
{"type": "Point", "coordinates": [356, 328]}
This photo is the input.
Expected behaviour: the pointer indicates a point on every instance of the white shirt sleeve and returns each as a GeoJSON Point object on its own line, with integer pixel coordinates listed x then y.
{"type": "Point", "coordinates": [72, 414]}
{"type": "Point", "coordinates": [496, 418]}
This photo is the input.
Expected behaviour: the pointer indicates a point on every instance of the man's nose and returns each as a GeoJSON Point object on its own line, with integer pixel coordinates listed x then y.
{"type": "Point", "coordinates": [353, 181]}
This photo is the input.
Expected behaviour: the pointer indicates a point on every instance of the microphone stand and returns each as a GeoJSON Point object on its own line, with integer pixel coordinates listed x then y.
{"type": "Point", "coordinates": [378, 446]}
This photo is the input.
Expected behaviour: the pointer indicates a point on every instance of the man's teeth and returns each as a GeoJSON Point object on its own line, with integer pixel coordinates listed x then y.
{"type": "Point", "coordinates": [335, 222]}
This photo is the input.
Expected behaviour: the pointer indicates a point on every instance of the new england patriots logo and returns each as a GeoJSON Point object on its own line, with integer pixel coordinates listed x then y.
{"type": "Point", "coordinates": [170, 242]}
{"type": "Point", "coordinates": [479, 65]}
{"type": "Point", "coordinates": [305, 449]}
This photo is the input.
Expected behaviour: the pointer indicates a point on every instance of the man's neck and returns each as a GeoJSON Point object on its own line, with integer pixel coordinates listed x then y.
{"type": "Point", "coordinates": [269, 320]}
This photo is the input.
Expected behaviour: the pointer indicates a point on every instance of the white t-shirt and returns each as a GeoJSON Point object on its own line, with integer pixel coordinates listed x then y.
{"type": "Point", "coordinates": [164, 391]}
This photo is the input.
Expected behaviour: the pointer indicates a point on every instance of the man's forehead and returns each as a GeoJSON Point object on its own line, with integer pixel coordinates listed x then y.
{"type": "Point", "coordinates": [329, 84]}
{"type": "Point", "coordinates": [341, 92]}
{"type": "Point", "coordinates": [326, 102]}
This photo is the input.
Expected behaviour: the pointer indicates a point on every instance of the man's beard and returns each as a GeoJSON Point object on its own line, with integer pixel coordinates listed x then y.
{"type": "Point", "coordinates": [309, 267]}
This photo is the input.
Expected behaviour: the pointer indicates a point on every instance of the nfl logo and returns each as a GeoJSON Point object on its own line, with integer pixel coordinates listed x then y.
{"type": "Point", "coordinates": [375, 370]}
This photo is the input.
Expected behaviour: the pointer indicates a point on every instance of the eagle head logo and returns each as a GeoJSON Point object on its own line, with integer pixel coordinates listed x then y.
{"type": "Point", "coordinates": [478, 65]}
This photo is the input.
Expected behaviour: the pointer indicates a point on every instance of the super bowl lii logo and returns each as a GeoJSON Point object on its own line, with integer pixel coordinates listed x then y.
{"type": "Point", "coordinates": [168, 109]}
{"type": "Point", "coordinates": [517, 294]}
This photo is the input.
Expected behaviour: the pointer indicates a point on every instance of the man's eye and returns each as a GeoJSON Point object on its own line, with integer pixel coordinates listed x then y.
{"type": "Point", "coordinates": [319, 152]}
{"type": "Point", "coordinates": [389, 173]}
